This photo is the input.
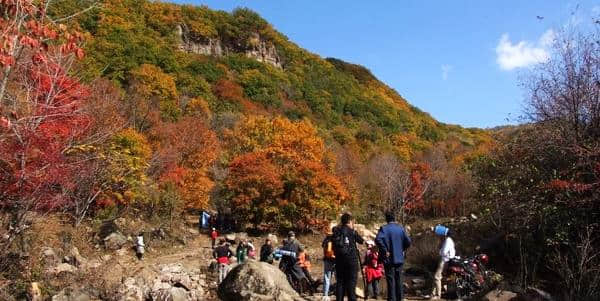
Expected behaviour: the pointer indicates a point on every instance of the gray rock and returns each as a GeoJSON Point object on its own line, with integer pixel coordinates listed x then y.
{"type": "Point", "coordinates": [254, 281]}
{"type": "Point", "coordinates": [70, 294]}
{"type": "Point", "coordinates": [130, 290]}
{"type": "Point", "coordinates": [63, 268]}
{"type": "Point", "coordinates": [49, 257]}
{"type": "Point", "coordinates": [115, 241]}
{"type": "Point", "coordinates": [76, 258]}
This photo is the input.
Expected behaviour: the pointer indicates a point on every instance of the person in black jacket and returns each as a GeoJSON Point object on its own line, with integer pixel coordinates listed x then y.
{"type": "Point", "coordinates": [346, 258]}
{"type": "Point", "coordinates": [222, 253]}
{"type": "Point", "coordinates": [266, 251]}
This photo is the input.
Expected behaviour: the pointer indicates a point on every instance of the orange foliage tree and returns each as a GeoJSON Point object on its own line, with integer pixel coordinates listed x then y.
{"type": "Point", "coordinates": [278, 176]}
{"type": "Point", "coordinates": [185, 152]}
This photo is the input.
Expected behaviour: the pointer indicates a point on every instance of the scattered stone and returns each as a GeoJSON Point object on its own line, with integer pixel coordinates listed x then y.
{"type": "Point", "coordinates": [121, 252]}
{"type": "Point", "coordinates": [121, 222]}
{"type": "Point", "coordinates": [131, 291]}
{"type": "Point", "coordinates": [70, 294]}
{"type": "Point", "coordinates": [93, 264]}
{"type": "Point", "coordinates": [49, 257]}
{"type": "Point", "coordinates": [114, 241]}
{"type": "Point", "coordinates": [499, 295]}
{"type": "Point", "coordinates": [63, 268]}
{"type": "Point", "coordinates": [76, 258]}
{"type": "Point", "coordinates": [535, 294]}
{"type": "Point", "coordinates": [253, 281]}
{"type": "Point", "coordinates": [35, 292]}
{"type": "Point", "coordinates": [473, 216]}
{"type": "Point", "coordinates": [106, 257]}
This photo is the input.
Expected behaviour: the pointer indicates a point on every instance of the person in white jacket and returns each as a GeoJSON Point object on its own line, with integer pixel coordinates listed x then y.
{"type": "Point", "coordinates": [139, 245]}
{"type": "Point", "coordinates": [447, 252]}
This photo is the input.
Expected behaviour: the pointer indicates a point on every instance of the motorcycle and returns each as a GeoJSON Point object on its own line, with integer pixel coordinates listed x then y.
{"type": "Point", "coordinates": [467, 277]}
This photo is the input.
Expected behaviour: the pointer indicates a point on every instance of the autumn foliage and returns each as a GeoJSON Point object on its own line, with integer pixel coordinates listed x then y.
{"type": "Point", "coordinates": [278, 177]}
{"type": "Point", "coordinates": [40, 116]}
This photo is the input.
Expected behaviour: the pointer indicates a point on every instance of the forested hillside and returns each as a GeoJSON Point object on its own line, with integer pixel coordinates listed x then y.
{"type": "Point", "coordinates": [184, 107]}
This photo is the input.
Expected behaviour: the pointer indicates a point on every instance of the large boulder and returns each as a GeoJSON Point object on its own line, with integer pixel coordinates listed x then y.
{"type": "Point", "coordinates": [254, 281]}
{"type": "Point", "coordinates": [115, 241]}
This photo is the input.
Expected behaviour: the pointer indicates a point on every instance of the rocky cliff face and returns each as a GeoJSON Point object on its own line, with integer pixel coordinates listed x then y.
{"type": "Point", "coordinates": [259, 49]}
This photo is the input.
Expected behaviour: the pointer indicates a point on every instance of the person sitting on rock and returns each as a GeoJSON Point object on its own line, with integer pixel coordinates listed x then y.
{"type": "Point", "coordinates": [304, 263]}
{"type": "Point", "coordinates": [222, 253]}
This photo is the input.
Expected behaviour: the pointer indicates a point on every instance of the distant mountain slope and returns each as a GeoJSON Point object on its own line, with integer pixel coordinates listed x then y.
{"type": "Point", "coordinates": [237, 62]}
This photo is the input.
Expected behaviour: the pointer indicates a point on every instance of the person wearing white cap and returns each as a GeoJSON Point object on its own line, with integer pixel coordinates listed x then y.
{"type": "Point", "coordinates": [373, 269]}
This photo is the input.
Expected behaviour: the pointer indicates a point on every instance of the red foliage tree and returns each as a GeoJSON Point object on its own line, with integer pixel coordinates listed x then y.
{"type": "Point", "coordinates": [41, 113]}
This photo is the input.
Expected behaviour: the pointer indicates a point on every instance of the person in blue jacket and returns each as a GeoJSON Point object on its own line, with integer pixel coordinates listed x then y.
{"type": "Point", "coordinates": [392, 241]}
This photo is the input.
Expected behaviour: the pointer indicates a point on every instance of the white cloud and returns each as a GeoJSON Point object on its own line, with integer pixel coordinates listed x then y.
{"type": "Point", "coordinates": [445, 70]}
{"type": "Point", "coordinates": [547, 38]}
{"type": "Point", "coordinates": [523, 54]}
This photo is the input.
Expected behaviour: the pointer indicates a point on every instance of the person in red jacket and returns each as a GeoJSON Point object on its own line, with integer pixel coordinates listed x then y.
{"type": "Point", "coordinates": [373, 269]}
{"type": "Point", "coordinates": [213, 237]}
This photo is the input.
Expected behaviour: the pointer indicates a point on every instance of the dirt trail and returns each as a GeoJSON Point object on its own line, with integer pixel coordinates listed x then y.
{"type": "Point", "coordinates": [197, 253]}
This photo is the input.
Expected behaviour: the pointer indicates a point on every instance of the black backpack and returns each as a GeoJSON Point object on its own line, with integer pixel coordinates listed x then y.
{"type": "Point", "coordinates": [342, 243]}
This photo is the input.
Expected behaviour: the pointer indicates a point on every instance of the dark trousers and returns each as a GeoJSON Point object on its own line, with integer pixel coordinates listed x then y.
{"type": "Point", "coordinates": [346, 274]}
{"type": "Point", "coordinates": [373, 287]}
{"type": "Point", "coordinates": [393, 277]}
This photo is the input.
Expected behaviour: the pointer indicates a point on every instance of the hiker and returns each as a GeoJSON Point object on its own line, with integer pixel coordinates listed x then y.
{"type": "Point", "coordinates": [392, 241]}
{"type": "Point", "coordinates": [241, 252]}
{"type": "Point", "coordinates": [373, 269]}
{"type": "Point", "coordinates": [266, 251]}
{"type": "Point", "coordinates": [347, 258]}
{"type": "Point", "coordinates": [447, 252]}
{"type": "Point", "coordinates": [289, 259]}
{"type": "Point", "coordinates": [251, 249]}
{"type": "Point", "coordinates": [222, 253]}
{"type": "Point", "coordinates": [328, 262]}
{"type": "Point", "coordinates": [304, 263]}
{"type": "Point", "coordinates": [213, 237]}
{"type": "Point", "coordinates": [139, 245]}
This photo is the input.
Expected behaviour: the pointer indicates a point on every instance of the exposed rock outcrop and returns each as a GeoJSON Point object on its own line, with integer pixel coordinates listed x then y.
{"type": "Point", "coordinates": [115, 241]}
{"type": "Point", "coordinates": [258, 49]}
{"type": "Point", "coordinates": [172, 282]}
{"type": "Point", "coordinates": [254, 281]}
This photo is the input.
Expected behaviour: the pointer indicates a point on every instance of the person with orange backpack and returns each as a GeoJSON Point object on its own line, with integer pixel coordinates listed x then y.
{"type": "Point", "coordinates": [328, 263]}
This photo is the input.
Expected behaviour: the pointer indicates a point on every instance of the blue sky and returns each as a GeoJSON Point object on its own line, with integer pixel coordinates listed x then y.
{"type": "Point", "coordinates": [458, 60]}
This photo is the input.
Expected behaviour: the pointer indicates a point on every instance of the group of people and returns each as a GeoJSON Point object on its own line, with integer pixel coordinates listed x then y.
{"type": "Point", "coordinates": [385, 257]}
